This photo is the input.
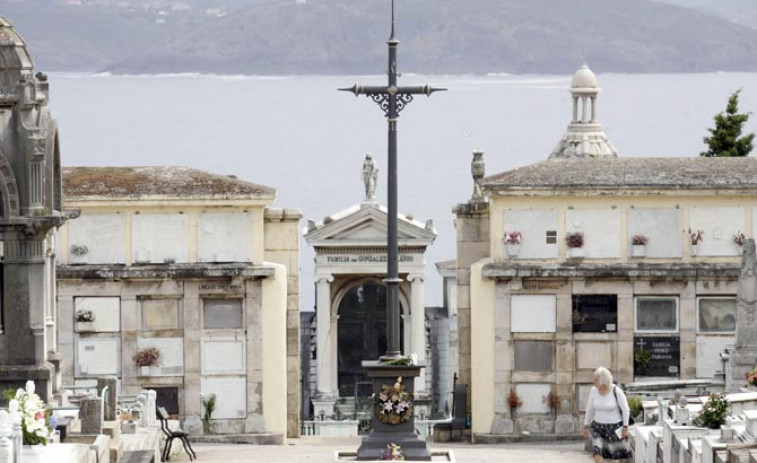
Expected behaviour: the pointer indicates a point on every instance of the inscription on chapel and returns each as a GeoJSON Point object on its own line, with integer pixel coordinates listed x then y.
{"type": "Point", "coordinates": [366, 258]}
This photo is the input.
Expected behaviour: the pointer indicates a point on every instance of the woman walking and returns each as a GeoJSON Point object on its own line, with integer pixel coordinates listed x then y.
{"type": "Point", "coordinates": [607, 419]}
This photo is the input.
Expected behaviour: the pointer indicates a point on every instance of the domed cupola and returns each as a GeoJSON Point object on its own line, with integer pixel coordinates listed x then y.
{"type": "Point", "coordinates": [584, 137]}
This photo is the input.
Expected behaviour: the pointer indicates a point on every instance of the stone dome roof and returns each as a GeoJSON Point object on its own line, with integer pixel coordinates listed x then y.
{"type": "Point", "coordinates": [15, 60]}
{"type": "Point", "coordinates": [584, 78]}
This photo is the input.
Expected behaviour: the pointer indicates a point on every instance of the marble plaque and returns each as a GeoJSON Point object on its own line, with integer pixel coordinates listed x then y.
{"type": "Point", "coordinates": [160, 238]}
{"type": "Point", "coordinates": [223, 356]}
{"type": "Point", "coordinates": [590, 355]}
{"type": "Point", "coordinates": [582, 392]}
{"type": "Point", "coordinates": [171, 354]}
{"type": "Point", "coordinates": [224, 236]}
{"type": "Point", "coordinates": [533, 314]}
{"type": "Point", "coordinates": [717, 315]}
{"type": "Point", "coordinates": [534, 397]}
{"type": "Point", "coordinates": [221, 314]}
{"type": "Point", "coordinates": [533, 355]}
{"type": "Point", "coordinates": [231, 393]}
{"type": "Point", "coordinates": [98, 356]}
{"type": "Point", "coordinates": [97, 239]}
{"type": "Point", "coordinates": [106, 310]}
{"type": "Point", "coordinates": [160, 314]}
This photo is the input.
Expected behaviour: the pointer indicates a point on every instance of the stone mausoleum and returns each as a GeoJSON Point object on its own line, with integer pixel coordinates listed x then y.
{"type": "Point", "coordinates": [630, 263]}
{"type": "Point", "coordinates": [30, 211]}
{"type": "Point", "coordinates": [196, 265]}
{"type": "Point", "coordinates": [350, 320]}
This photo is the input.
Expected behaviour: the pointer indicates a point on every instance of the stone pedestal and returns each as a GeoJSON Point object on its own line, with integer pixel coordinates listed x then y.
{"type": "Point", "coordinates": [91, 415]}
{"type": "Point", "coordinates": [402, 434]}
{"type": "Point", "coordinates": [323, 407]}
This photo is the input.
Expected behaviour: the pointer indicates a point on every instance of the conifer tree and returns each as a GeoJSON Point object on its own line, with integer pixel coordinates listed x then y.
{"type": "Point", "coordinates": [725, 138]}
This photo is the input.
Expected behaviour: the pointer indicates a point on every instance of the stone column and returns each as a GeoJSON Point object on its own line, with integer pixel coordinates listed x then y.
{"type": "Point", "coordinates": [418, 327]}
{"type": "Point", "coordinates": [584, 110]}
{"type": "Point", "coordinates": [323, 399]}
{"type": "Point", "coordinates": [594, 108]}
{"type": "Point", "coordinates": [110, 396]}
{"type": "Point", "coordinates": [744, 357]}
{"type": "Point", "coordinates": [575, 109]}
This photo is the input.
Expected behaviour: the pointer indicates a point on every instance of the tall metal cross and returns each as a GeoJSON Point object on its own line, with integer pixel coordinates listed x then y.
{"type": "Point", "coordinates": [392, 99]}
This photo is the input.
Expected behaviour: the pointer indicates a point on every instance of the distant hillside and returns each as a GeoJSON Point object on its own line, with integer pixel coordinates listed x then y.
{"type": "Point", "coordinates": [348, 36]}
{"type": "Point", "coordinates": [739, 11]}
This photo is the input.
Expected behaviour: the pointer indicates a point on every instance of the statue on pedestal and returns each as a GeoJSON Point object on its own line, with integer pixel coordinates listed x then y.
{"type": "Point", "coordinates": [370, 178]}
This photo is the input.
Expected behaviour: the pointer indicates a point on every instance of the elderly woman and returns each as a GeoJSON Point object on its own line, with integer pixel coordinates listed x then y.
{"type": "Point", "coordinates": [607, 418]}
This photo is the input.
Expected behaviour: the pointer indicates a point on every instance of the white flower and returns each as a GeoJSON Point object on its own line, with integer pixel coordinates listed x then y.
{"type": "Point", "coordinates": [414, 359]}
{"type": "Point", "coordinates": [30, 387]}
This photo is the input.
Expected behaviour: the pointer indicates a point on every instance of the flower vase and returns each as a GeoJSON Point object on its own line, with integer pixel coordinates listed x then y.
{"type": "Point", "coordinates": [33, 453]}
{"type": "Point", "coordinates": [694, 250]}
{"type": "Point", "coordinates": [512, 249]}
{"type": "Point", "coordinates": [639, 250]}
{"type": "Point", "coordinates": [85, 327]}
{"type": "Point", "coordinates": [575, 253]}
{"type": "Point", "coordinates": [144, 371]}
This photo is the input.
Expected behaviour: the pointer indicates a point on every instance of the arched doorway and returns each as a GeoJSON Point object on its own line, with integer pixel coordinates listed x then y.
{"type": "Point", "coordinates": [361, 333]}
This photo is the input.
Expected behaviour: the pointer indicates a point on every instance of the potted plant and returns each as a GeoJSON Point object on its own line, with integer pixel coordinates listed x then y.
{"type": "Point", "coordinates": [512, 242]}
{"type": "Point", "coordinates": [639, 243]}
{"type": "Point", "coordinates": [575, 243]}
{"type": "Point", "coordinates": [641, 361]}
{"type": "Point", "coordinates": [209, 403]}
{"type": "Point", "coordinates": [695, 238]}
{"type": "Point", "coordinates": [636, 408]}
{"type": "Point", "coordinates": [145, 359]}
{"type": "Point", "coordinates": [514, 401]}
{"type": "Point", "coordinates": [85, 320]}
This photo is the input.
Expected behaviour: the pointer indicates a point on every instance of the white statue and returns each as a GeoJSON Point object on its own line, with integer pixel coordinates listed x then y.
{"type": "Point", "coordinates": [370, 177]}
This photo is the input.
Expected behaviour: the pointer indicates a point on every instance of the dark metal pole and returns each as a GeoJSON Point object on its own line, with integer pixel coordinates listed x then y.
{"type": "Point", "coordinates": [392, 267]}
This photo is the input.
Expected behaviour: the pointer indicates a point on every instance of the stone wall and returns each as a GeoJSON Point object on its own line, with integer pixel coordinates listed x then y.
{"type": "Point", "coordinates": [282, 247]}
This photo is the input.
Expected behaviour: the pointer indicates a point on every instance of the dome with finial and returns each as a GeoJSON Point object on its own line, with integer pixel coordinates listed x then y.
{"type": "Point", "coordinates": [584, 78]}
{"type": "Point", "coordinates": [16, 65]}
{"type": "Point", "coordinates": [584, 137]}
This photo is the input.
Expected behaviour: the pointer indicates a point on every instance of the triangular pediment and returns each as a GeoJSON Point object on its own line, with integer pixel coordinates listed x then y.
{"type": "Point", "coordinates": [366, 225]}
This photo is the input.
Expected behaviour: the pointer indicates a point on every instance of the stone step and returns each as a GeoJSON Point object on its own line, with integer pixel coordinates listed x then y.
{"type": "Point", "coordinates": [256, 439]}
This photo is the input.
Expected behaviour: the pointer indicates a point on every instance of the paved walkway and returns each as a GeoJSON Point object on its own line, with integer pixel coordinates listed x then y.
{"type": "Point", "coordinates": [321, 450]}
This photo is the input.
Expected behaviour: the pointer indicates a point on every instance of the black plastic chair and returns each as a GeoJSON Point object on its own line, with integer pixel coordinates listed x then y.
{"type": "Point", "coordinates": [171, 435]}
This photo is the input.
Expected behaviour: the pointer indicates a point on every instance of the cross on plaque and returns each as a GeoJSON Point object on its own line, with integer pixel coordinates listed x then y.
{"type": "Point", "coordinates": [392, 99]}
{"type": "Point", "coordinates": [641, 343]}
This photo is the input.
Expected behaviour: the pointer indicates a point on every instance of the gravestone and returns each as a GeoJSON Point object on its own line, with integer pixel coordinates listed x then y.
{"type": "Point", "coordinates": [744, 356]}
{"type": "Point", "coordinates": [91, 415]}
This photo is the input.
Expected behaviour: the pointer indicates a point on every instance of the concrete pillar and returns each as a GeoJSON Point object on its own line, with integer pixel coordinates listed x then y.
{"type": "Point", "coordinates": [323, 336]}
{"type": "Point", "coordinates": [594, 108]}
{"type": "Point", "coordinates": [110, 396]}
{"type": "Point", "coordinates": [418, 327]}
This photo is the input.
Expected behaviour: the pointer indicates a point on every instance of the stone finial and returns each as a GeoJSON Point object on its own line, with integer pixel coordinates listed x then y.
{"type": "Point", "coordinates": [430, 224]}
{"type": "Point", "coordinates": [478, 170]}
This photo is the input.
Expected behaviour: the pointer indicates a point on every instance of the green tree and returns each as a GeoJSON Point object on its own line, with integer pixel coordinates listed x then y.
{"type": "Point", "coordinates": [725, 139]}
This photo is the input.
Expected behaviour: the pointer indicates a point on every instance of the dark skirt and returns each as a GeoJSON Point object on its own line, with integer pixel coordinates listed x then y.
{"type": "Point", "coordinates": [606, 443]}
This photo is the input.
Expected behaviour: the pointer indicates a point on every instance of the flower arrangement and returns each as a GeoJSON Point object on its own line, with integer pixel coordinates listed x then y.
{"type": "Point", "coordinates": [513, 400]}
{"type": "Point", "coordinates": [393, 404]}
{"type": "Point", "coordinates": [393, 452]}
{"type": "Point", "coordinates": [85, 316]}
{"type": "Point", "coordinates": [209, 403]}
{"type": "Point", "coordinates": [148, 357]}
{"type": "Point", "coordinates": [714, 411]}
{"type": "Point", "coordinates": [411, 359]}
{"type": "Point", "coordinates": [696, 237]}
{"type": "Point", "coordinates": [513, 237]}
{"type": "Point", "coordinates": [739, 238]}
{"type": "Point", "coordinates": [575, 239]}
{"type": "Point", "coordinates": [751, 377]}
{"type": "Point", "coordinates": [639, 240]}
{"type": "Point", "coordinates": [36, 423]}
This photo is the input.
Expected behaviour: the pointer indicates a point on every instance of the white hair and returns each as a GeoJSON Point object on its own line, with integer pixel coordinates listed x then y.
{"type": "Point", "coordinates": [604, 376]}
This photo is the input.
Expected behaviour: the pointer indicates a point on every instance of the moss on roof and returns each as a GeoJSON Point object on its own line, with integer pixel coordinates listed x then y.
{"type": "Point", "coordinates": [136, 182]}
